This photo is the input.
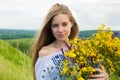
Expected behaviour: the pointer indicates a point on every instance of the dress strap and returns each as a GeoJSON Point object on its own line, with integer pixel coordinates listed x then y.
{"type": "Point", "coordinates": [62, 51]}
{"type": "Point", "coordinates": [68, 45]}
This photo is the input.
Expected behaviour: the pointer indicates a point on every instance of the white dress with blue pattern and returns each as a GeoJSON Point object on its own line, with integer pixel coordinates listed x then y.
{"type": "Point", "coordinates": [46, 67]}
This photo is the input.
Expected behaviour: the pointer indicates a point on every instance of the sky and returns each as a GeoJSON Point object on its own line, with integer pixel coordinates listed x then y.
{"type": "Point", "coordinates": [29, 14]}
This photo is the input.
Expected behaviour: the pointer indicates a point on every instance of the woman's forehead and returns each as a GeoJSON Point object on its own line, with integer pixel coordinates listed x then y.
{"type": "Point", "coordinates": [60, 18]}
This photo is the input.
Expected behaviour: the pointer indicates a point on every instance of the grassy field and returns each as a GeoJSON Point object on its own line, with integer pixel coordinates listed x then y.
{"type": "Point", "coordinates": [14, 65]}
{"type": "Point", "coordinates": [21, 44]}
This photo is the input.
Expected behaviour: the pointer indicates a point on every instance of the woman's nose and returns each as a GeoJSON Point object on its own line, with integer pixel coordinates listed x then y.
{"type": "Point", "coordinates": [60, 29]}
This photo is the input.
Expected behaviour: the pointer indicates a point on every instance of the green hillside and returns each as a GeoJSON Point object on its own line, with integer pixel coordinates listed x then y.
{"type": "Point", "coordinates": [21, 44]}
{"type": "Point", "coordinates": [14, 65]}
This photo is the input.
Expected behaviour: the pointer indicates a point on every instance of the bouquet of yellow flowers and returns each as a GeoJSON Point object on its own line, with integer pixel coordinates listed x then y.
{"type": "Point", "coordinates": [83, 56]}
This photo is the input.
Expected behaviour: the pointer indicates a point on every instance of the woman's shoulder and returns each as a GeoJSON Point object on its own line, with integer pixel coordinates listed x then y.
{"type": "Point", "coordinates": [44, 51]}
{"type": "Point", "coordinates": [47, 50]}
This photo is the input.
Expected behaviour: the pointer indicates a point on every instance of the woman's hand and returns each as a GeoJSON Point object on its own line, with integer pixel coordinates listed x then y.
{"type": "Point", "coordinates": [101, 76]}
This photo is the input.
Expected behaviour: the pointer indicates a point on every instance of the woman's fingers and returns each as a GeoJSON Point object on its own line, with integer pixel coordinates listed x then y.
{"type": "Point", "coordinates": [100, 76]}
{"type": "Point", "coordinates": [102, 67]}
{"type": "Point", "coordinates": [104, 71]}
{"type": "Point", "coordinates": [97, 76]}
{"type": "Point", "coordinates": [99, 70]}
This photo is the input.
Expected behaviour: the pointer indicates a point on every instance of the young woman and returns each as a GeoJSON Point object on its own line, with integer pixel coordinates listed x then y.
{"type": "Point", "coordinates": [59, 26]}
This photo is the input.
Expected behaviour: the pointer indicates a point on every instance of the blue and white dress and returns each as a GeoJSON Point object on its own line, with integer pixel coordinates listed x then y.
{"type": "Point", "coordinates": [46, 67]}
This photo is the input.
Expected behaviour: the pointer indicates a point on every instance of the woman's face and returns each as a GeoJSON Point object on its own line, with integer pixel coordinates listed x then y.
{"type": "Point", "coordinates": [61, 26]}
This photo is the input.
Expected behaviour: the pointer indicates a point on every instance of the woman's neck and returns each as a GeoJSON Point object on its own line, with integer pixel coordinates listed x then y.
{"type": "Point", "coordinates": [59, 44]}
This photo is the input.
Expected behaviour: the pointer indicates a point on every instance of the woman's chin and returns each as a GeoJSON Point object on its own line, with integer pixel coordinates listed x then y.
{"type": "Point", "coordinates": [62, 39]}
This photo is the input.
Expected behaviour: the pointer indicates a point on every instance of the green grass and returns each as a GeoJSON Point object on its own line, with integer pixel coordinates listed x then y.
{"type": "Point", "coordinates": [116, 75]}
{"type": "Point", "coordinates": [14, 65]}
{"type": "Point", "coordinates": [21, 44]}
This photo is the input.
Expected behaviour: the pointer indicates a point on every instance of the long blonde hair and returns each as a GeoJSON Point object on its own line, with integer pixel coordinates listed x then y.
{"type": "Point", "coordinates": [46, 37]}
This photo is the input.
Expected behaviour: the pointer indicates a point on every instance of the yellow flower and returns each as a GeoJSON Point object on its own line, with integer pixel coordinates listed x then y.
{"type": "Point", "coordinates": [101, 27]}
{"type": "Point", "coordinates": [80, 78]}
{"type": "Point", "coordinates": [108, 28]}
{"type": "Point", "coordinates": [72, 54]}
{"type": "Point", "coordinates": [65, 69]}
{"type": "Point", "coordinates": [84, 69]}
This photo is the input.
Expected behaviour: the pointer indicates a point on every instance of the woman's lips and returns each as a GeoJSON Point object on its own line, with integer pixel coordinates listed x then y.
{"type": "Point", "coordinates": [61, 36]}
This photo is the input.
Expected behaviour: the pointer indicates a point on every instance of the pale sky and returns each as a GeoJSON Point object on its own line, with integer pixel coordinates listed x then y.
{"type": "Point", "coordinates": [29, 14]}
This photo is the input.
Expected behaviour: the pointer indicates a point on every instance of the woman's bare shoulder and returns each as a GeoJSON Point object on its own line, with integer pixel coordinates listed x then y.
{"type": "Point", "coordinates": [47, 50]}
{"type": "Point", "coordinates": [44, 51]}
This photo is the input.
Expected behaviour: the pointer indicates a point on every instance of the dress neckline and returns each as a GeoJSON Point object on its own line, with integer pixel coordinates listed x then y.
{"type": "Point", "coordinates": [56, 53]}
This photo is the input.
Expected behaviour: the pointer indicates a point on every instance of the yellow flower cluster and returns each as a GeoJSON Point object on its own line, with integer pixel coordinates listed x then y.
{"type": "Point", "coordinates": [102, 47]}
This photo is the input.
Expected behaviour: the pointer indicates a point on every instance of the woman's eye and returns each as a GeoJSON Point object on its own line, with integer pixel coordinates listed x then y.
{"type": "Point", "coordinates": [55, 25]}
{"type": "Point", "coordinates": [65, 24]}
